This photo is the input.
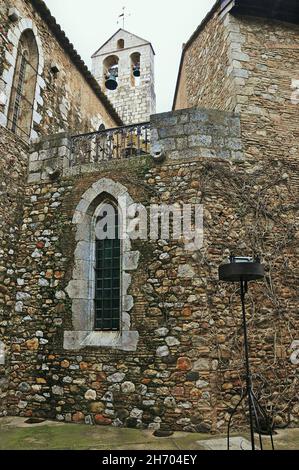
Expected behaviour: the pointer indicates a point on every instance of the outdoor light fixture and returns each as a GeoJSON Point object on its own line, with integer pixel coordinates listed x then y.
{"type": "Point", "coordinates": [244, 269]}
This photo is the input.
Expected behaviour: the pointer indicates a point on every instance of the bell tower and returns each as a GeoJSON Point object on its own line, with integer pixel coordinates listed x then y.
{"type": "Point", "coordinates": [124, 68]}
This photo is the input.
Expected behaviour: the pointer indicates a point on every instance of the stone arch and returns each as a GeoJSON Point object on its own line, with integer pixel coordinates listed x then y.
{"type": "Point", "coordinates": [14, 36]}
{"type": "Point", "coordinates": [23, 90]}
{"type": "Point", "coordinates": [81, 287]}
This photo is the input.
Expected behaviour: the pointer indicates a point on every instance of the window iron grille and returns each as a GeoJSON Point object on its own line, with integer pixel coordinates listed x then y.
{"type": "Point", "coordinates": [18, 93]}
{"type": "Point", "coordinates": [22, 98]}
{"type": "Point", "coordinates": [107, 280]}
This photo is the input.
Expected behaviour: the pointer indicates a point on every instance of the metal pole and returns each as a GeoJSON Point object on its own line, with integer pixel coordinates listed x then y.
{"type": "Point", "coordinates": [248, 375]}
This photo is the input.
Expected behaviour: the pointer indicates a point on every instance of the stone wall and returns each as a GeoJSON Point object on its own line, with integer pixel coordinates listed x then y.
{"type": "Point", "coordinates": [63, 100]}
{"type": "Point", "coordinates": [187, 370]}
{"type": "Point", "coordinates": [13, 172]}
{"type": "Point", "coordinates": [263, 70]}
{"type": "Point", "coordinates": [264, 95]}
{"type": "Point", "coordinates": [250, 66]}
{"type": "Point", "coordinates": [207, 78]}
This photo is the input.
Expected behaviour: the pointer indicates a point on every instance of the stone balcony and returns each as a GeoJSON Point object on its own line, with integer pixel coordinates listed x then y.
{"type": "Point", "coordinates": [185, 134]}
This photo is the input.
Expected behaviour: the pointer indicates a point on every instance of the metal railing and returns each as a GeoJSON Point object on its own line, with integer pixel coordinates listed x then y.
{"type": "Point", "coordinates": [118, 143]}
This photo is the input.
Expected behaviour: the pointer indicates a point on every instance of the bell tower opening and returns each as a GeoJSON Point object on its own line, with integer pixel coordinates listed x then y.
{"type": "Point", "coordinates": [135, 66]}
{"type": "Point", "coordinates": [120, 44]}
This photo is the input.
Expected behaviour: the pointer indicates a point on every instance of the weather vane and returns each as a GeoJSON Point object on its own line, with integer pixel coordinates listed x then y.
{"type": "Point", "coordinates": [123, 17]}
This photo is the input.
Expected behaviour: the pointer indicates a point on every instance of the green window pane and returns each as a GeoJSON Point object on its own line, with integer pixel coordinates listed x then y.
{"type": "Point", "coordinates": [107, 282]}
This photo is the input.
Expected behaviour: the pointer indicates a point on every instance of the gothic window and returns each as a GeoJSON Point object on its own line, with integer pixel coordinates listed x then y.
{"type": "Point", "coordinates": [108, 270]}
{"type": "Point", "coordinates": [23, 87]}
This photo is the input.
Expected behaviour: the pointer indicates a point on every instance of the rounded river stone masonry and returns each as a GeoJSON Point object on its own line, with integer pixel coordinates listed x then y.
{"type": "Point", "coordinates": [177, 361]}
{"type": "Point", "coordinates": [185, 371]}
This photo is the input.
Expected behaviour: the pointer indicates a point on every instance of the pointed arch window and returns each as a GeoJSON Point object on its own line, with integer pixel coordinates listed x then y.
{"type": "Point", "coordinates": [22, 98]}
{"type": "Point", "coordinates": [102, 273]}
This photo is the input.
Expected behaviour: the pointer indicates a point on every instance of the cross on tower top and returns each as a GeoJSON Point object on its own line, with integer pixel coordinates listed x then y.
{"type": "Point", "coordinates": [123, 16]}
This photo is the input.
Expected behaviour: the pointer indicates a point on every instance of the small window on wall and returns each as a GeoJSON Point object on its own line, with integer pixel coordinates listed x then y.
{"type": "Point", "coordinates": [23, 87]}
{"type": "Point", "coordinates": [108, 269]}
{"type": "Point", "coordinates": [135, 69]}
{"type": "Point", "coordinates": [120, 44]}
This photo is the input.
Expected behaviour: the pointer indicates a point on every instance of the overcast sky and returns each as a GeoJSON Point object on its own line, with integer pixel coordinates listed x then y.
{"type": "Point", "coordinates": [167, 24]}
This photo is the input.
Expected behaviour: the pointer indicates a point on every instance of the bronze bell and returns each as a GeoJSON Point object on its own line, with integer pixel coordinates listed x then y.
{"type": "Point", "coordinates": [111, 82]}
{"type": "Point", "coordinates": [136, 70]}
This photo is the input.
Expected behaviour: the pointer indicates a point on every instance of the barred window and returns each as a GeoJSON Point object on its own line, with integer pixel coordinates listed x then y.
{"type": "Point", "coordinates": [111, 68]}
{"type": "Point", "coordinates": [23, 88]}
{"type": "Point", "coordinates": [108, 270]}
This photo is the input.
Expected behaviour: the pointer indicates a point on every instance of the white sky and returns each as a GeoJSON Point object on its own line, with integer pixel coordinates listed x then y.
{"type": "Point", "coordinates": [167, 24]}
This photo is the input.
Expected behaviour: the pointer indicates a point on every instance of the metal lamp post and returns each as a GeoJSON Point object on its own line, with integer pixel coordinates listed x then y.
{"type": "Point", "coordinates": [243, 270]}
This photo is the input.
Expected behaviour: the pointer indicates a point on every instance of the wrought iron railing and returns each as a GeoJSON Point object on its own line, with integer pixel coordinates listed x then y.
{"type": "Point", "coordinates": [118, 143]}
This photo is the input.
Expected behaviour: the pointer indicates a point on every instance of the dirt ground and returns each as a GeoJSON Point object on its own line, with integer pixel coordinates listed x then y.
{"type": "Point", "coordinates": [15, 434]}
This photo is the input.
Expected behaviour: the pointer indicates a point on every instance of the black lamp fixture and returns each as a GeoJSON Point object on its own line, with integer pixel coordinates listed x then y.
{"type": "Point", "coordinates": [244, 269]}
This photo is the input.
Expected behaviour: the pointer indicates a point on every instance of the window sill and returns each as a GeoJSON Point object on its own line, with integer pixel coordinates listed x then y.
{"type": "Point", "coordinates": [123, 341]}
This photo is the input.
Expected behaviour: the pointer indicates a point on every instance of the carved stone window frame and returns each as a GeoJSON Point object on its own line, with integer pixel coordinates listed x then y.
{"type": "Point", "coordinates": [81, 287]}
